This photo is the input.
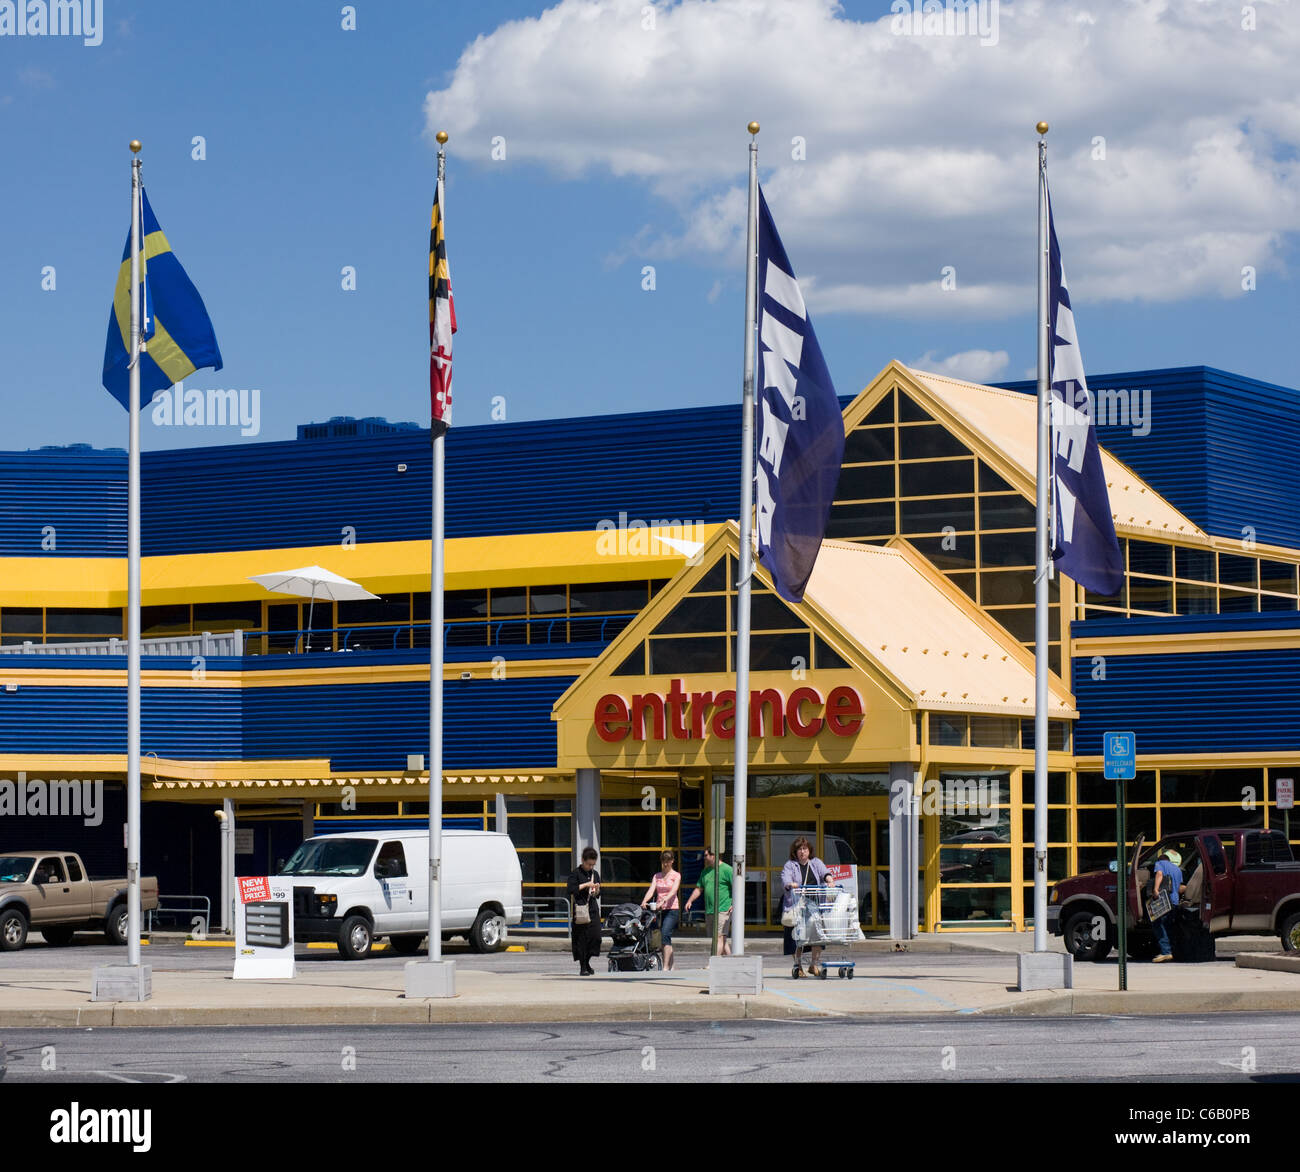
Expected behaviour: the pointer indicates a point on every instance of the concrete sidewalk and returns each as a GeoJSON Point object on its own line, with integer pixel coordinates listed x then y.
{"type": "Point", "coordinates": [920, 981]}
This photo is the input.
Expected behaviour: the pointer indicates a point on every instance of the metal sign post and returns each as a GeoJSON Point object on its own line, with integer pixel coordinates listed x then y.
{"type": "Point", "coordinates": [1284, 797]}
{"type": "Point", "coordinates": [1120, 750]}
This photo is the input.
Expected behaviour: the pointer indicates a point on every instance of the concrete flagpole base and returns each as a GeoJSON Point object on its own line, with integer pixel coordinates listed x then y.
{"type": "Point", "coordinates": [121, 982]}
{"type": "Point", "coordinates": [736, 974]}
{"type": "Point", "coordinates": [1044, 970]}
{"type": "Point", "coordinates": [431, 978]}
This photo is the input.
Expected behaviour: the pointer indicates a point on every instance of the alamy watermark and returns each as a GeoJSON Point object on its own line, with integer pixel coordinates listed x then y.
{"type": "Point", "coordinates": [191, 407]}
{"type": "Point", "coordinates": [945, 18]}
{"type": "Point", "coordinates": [956, 797]}
{"type": "Point", "coordinates": [53, 18]}
{"type": "Point", "coordinates": [1075, 406]}
{"type": "Point", "coordinates": [52, 799]}
{"type": "Point", "coordinates": [630, 536]}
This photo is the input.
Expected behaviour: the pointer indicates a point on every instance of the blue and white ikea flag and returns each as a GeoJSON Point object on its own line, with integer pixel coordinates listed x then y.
{"type": "Point", "coordinates": [180, 338]}
{"type": "Point", "coordinates": [800, 426]}
{"type": "Point", "coordinates": [1085, 546]}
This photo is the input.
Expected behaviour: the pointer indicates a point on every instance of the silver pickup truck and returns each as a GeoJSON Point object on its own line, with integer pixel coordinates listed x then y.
{"type": "Point", "coordinates": [49, 892]}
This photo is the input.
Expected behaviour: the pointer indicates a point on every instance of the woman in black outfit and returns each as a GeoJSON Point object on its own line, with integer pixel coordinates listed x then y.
{"type": "Point", "coordinates": [584, 891]}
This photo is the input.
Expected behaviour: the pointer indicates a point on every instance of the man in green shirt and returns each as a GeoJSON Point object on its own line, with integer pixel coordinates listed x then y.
{"type": "Point", "coordinates": [718, 920]}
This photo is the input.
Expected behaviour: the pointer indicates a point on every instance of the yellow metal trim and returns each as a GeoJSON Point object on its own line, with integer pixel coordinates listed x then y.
{"type": "Point", "coordinates": [100, 678]}
{"type": "Point", "coordinates": [46, 764]}
{"type": "Point", "coordinates": [1275, 553]}
{"type": "Point", "coordinates": [296, 677]}
{"type": "Point", "coordinates": [65, 582]}
{"type": "Point", "coordinates": [1188, 642]}
{"type": "Point", "coordinates": [385, 567]}
{"type": "Point", "coordinates": [405, 673]}
{"type": "Point", "coordinates": [1094, 764]}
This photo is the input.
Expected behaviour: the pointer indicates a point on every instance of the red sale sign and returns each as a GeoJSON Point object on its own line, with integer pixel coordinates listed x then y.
{"type": "Point", "coordinates": [254, 889]}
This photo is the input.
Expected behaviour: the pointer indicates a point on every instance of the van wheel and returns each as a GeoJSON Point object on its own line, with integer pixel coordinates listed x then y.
{"type": "Point", "coordinates": [13, 930]}
{"type": "Point", "coordinates": [406, 945]}
{"type": "Point", "coordinates": [1079, 938]}
{"type": "Point", "coordinates": [1291, 932]}
{"type": "Point", "coordinates": [58, 937]}
{"type": "Point", "coordinates": [488, 932]}
{"type": "Point", "coordinates": [118, 924]}
{"type": "Point", "coordinates": [355, 938]}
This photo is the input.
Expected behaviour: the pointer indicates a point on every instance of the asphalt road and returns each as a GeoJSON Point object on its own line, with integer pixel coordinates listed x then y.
{"type": "Point", "coordinates": [1230, 1048]}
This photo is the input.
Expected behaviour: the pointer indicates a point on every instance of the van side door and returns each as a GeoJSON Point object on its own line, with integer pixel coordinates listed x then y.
{"type": "Point", "coordinates": [395, 910]}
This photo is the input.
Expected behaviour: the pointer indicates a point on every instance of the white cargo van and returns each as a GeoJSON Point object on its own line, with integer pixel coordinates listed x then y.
{"type": "Point", "coordinates": [352, 888]}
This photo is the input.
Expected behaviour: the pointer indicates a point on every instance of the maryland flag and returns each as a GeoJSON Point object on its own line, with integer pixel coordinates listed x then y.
{"type": "Point", "coordinates": [174, 321]}
{"type": "Point", "coordinates": [442, 320]}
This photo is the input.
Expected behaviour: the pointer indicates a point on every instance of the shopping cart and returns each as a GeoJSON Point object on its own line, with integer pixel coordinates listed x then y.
{"type": "Point", "coordinates": [826, 918]}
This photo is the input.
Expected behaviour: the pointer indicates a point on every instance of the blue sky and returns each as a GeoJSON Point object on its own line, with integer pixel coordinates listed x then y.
{"type": "Point", "coordinates": [319, 155]}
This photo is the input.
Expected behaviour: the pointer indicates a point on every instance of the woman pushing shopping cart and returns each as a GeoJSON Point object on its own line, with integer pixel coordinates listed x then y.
{"type": "Point", "coordinates": [815, 913]}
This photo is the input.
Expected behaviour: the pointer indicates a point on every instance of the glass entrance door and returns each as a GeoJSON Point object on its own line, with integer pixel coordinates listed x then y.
{"type": "Point", "coordinates": [850, 834]}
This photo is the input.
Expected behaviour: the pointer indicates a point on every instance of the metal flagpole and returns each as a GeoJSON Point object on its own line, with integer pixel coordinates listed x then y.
{"type": "Point", "coordinates": [1042, 562]}
{"type": "Point", "coordinates": [436, 609]}
{"type": "Point", "coordinates": [740, 787]}
{"type": "Point", "coordinates": [133, 924]}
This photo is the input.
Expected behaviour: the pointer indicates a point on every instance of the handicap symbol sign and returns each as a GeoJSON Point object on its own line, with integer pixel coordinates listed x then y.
{"type": "Point", "coordinates": [1120, 749]}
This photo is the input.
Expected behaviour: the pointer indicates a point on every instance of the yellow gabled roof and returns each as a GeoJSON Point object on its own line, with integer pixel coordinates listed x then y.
{"type": "Point", "coordinates": [925, 632]}
{"type": "Point", "coordinates": [904, 623]}
{"type": "Point", "coordinates": [1007, 423]}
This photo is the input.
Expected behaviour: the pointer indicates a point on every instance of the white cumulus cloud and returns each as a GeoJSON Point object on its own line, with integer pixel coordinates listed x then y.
{"type": "Point", "coordinates": [976, 366]}
{"type": "Point", "coordinates": [889, 158]}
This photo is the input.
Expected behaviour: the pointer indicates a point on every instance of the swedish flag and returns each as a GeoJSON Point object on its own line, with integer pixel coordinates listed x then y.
{"type": "Point", "coordinates": [180, 336]}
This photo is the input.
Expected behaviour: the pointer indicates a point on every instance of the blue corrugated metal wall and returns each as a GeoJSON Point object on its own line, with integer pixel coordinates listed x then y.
{"type": "Point", "coordinates": [196, 723]}
{"type": "Point", "coordinates": [1227, 625]}
{"type": "Point", "coordinates": [1220, 447]}
{"type": "Point", "coordinates": [550, 476]}
{"type": "Point", "coordinates": [1222, 702]}
{"type": "Point", "coordinates": [509, 478]}
{"type": "Point", "coordinates": [82, 495]}
{"type": "Point", "coordinates": [489, 724]}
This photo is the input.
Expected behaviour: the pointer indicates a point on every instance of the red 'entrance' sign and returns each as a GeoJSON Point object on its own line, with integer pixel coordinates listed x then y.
{"type": "Point", "coordinates": [682, 715]}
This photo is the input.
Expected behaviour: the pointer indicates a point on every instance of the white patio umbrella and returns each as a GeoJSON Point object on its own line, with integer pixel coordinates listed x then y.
{"type": "Point", "coordinates": [312, 582]}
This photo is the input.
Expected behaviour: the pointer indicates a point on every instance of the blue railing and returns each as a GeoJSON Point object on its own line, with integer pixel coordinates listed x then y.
{"type": "Point", "coordinates": [532, 632]}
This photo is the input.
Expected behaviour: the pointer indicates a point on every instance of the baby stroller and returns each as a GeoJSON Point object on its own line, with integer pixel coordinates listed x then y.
{"type": "Point", "coordinates": [638, 943]}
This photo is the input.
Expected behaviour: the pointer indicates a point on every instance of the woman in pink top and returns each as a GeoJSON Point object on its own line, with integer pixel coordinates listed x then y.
{"type": "Point", "coordinates": [663, 889]}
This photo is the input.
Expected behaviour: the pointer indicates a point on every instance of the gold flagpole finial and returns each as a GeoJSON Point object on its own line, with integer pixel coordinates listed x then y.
{"type": "Point", "coordinates": [753, 128]}
{"type": "Point", "coordinates": [441, 136]}
{"type": "Point", "coordinates": [1041, 128]}
{"type": "Point", "coordinates": [135, 145]}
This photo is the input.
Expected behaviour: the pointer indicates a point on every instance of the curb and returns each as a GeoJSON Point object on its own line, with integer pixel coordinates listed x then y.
{"type": "Point", "coordinates": [124, 1014]}
{"type": "Point", "coordinates": [1284, 962]}
{"type": "Point", "coordinates": [1069, 1003]}
{"type": "Point", "coordinates": [696, 1007]}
